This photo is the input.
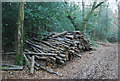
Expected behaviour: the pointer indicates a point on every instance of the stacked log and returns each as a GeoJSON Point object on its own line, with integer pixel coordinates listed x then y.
{"type": "Point", "coordinates": [55, 49]}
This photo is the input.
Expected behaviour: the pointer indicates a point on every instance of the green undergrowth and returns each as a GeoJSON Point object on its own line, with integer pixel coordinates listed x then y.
{"type": "Point", "coordinates": [94, 43]}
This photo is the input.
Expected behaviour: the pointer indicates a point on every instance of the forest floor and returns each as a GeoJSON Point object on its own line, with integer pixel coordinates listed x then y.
{"type": "Point", "coordinates": [99, 64]}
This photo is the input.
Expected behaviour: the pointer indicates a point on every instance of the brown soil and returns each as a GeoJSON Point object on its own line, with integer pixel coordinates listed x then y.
{"type": "Point", "coordinates": [99, 64]}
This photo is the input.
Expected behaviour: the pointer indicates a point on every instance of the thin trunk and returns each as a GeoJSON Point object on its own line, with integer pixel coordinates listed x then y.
{"type": "Point", "coordinates": [119, 21]}
{"type": "Point", "coordinates": [106, 21]}
{"type": "Point", "coordinates": [99, 22]}
{"type": "Point", "coordinates": [83, 9]}
{"type": "Point", "coordinates": [19, 47]}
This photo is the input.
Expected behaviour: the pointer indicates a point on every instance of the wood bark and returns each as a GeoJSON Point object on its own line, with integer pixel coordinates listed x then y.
{"type": "Point", "coordinates": [19, 48]}
{"type": "Point", "coordinates": [10, 67]}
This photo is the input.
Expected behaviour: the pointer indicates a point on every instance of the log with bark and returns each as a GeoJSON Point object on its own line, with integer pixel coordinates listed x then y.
{"type": "Point", "coordinates": [10, 67]}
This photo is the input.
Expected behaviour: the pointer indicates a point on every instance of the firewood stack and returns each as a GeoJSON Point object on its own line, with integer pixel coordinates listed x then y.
{"type": "Point", "coordinates": [55, 49]}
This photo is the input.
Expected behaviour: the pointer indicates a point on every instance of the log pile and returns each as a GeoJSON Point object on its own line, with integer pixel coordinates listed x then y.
{"type": "Point", "coordinates": [55, 50]}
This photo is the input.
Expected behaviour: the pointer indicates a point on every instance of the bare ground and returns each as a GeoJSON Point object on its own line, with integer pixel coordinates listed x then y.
{"type": "Point", "coordinates": [99, 64]}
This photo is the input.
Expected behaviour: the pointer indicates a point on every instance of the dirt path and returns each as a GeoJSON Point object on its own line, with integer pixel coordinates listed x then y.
{"type": "Point", "coordinates": [99, 64]}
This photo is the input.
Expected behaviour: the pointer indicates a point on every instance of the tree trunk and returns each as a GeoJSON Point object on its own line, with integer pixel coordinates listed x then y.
{"type": "Point", "coordinates": [106, 29]}
{"type": "Point", "coordinates": [19, 47]}
{"type": "Point", "coordinates": [119, 21]}
{"type": "Point", "coordinates": [83, 9]}
{"type": "Point", "coordinates": [87, 18]}
{"type": "Point", "coordinates": [101, 28]}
